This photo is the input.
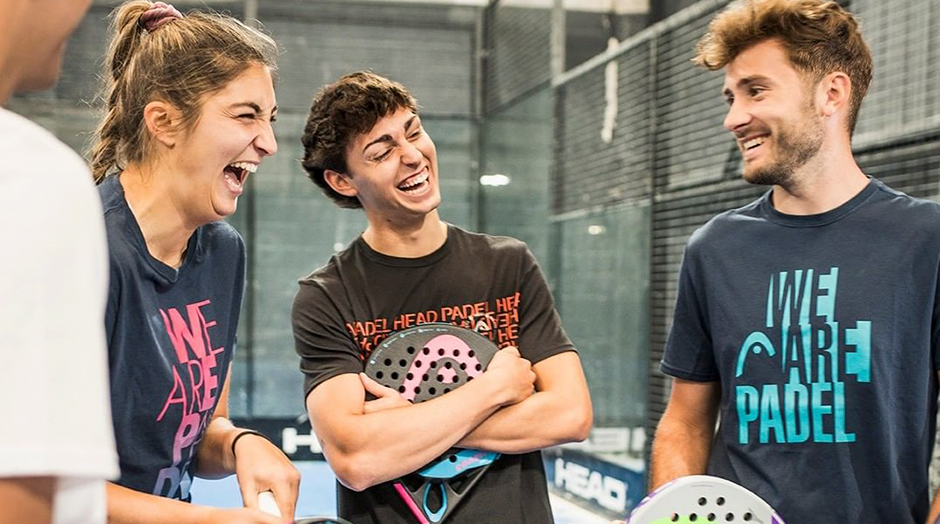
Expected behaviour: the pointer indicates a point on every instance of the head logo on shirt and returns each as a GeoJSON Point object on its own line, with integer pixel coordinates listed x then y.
{"type": "Point", "coordinates": [816, 356]}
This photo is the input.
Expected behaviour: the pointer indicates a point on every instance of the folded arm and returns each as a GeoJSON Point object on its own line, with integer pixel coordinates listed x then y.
{"type": "Point", "coordinates": [367, 446]}
{"type": "Point", "coordinates": [558, 412]}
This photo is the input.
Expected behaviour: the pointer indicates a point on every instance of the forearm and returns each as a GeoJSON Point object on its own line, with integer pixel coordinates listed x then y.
{"type": "Point", "coordinates": [934, 509]}
{"type": "Point", "coordinates": [126, 506]}
{"type": "Point", "coordinates": [214, 457]}
{"type": "Point", "coordinates": [679, 449]}
{"type": "Point", "coordinates": [545, 419]}
{"type": "Point", "coordinates": [26, 499]}
{"type": "Point", "coordinates": [371, 448]}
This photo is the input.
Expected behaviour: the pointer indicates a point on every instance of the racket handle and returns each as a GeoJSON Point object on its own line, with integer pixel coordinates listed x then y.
{"type": "Point", "coordinates": [410, 503]}
{"type": "Point", "coordinates": [268, 504]}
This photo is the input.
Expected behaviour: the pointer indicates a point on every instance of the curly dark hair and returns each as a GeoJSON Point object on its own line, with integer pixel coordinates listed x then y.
{"type": "Point", "coordinates": [340, 111]}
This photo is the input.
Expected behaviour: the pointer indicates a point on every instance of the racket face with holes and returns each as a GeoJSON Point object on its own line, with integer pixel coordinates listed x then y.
{"type": "Point", "coordinates": [426, 361]}
{"type": "Point", "coordinates": [702, 499]}
{"type": "Point", "coordinates": [421, 363]}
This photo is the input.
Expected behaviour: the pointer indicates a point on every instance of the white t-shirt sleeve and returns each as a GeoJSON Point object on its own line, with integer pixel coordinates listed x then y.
{"type": "Point", "coordinates": [55, 417]}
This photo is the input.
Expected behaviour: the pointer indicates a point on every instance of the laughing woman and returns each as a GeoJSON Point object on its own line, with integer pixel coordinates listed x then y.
{"type": "Point", "coordinates": [190, 102]}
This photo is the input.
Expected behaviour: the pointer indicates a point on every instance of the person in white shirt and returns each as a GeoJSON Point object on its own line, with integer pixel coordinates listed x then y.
{"type": "Point", "coordinates": [56, 439]}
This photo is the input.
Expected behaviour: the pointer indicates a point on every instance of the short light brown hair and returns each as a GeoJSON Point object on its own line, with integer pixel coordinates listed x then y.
{"type": "Point", "coordinates": [339, 113]}
{"type": "Point", "coordinates": [180, 62]}
{"type": "Point", "coordinates": [820, 38]}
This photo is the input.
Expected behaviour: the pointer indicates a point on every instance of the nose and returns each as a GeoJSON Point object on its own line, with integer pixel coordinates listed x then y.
{"type": "Point", "coordinates": [265, 141]}
{"type": "Point", "coordinates": [738, 116]}
{"type": "Point", "coordinates": [411, 155]}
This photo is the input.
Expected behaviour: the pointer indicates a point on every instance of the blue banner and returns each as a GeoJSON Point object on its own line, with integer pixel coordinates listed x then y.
{"type": "Point", "coordinates": [601, 486]}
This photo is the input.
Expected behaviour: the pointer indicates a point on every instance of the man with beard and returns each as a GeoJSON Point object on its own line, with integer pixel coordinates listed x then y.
{"type": "Point", "coordinates": [807, 322]}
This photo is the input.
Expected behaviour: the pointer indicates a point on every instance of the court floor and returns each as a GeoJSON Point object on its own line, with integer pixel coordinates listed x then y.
{"type": "Point", "coordinates": [318, 496]}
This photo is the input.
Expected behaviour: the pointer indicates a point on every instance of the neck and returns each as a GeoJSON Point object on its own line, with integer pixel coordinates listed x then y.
{"type": "Point", "coordinates": [6, 84]}
{"type": "Point", "coordinates": [8, 40]}
{"type": "Point", "coordinates": [414, 240]}
{"type": "Point", "coordinates": [166, 230]}
{"type": "Point", "coordinates": [827, 181]}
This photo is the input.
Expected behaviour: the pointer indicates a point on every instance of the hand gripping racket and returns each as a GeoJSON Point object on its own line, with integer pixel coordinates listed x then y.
{"type": "Point", "coordinates": [268, 504]}
{"type": "Point", "coordinates": [424, 362]}
{"type": "Point", "coordinates": [702, 499]}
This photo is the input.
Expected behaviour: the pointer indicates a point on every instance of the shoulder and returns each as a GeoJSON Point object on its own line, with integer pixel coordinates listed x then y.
{"type": "Point", "coordinates": [326, 278]}
{"type": "Point", "coordinates": [32, 148]}
{"type": "Point", "coordinates": [222, 235]}
{"type": "Point", "coordinates": [899, 207]}
{"type": "Point", "coordinates": [725, 226]}
{"type": "Point", "coordinates": [220, 253]}
{"type": "Point", "coordinates": [483, 244]}
{"type": "Point", "coordinates": [35, 158]}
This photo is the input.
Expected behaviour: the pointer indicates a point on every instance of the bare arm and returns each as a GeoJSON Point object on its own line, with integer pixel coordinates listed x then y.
{"type": "Point", "coordinates": [935, 506]}
{"type": "Point", "coordinates": [366, 447]}
{"type": "Point", "coordinates": [214, 459]}
{"type": "Point", "coordinates": [934, 509]}
{"type": "Point", "coordinates": [126, 506]}
{"type": "Point", "coordinates": [685, 433]}
{"type": "Point", "coordinates": [259, 465]}
{"type": "Point", "coordinates": [560, 411]}
{"type": "Point", "coordinates": [26, 499]}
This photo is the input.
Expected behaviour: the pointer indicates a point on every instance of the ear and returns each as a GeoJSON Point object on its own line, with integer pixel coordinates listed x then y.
{"type": "Point", "coordinates": [835, 91]}
{"type": "Point", "coordinates": [340, 182]}
{"type": "Point", "coordinates": [162, 121]}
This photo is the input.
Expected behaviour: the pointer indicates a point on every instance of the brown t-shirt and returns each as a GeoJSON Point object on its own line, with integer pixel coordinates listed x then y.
{"type": "Point", "coordinates": [492, 285]}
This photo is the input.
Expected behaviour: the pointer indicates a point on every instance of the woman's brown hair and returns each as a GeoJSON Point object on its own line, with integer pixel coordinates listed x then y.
{"type": "Point", "coordinates": [179, 60]}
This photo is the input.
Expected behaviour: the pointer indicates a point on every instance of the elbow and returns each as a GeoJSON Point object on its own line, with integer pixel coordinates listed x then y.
{"type": "Point", "coordinates": [354, 472]}
{"type": "Point", "coordinates": [583, 423]}
{"type": "Point", "coordinates": [579, 423]}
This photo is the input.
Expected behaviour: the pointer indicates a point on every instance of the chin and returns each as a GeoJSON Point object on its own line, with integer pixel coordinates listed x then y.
{"type": "Point", "coordinates": [773, 175]}
{"type": "Point", "coordinates": [226, 210]}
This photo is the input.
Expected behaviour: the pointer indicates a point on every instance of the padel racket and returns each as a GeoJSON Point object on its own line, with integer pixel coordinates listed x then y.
{"type": "Point", "coordinates": [268, 504]}
{"type": "Point", "coordinates": [702, 498]}
{"type": "Point", "coordinates": [421, 363]}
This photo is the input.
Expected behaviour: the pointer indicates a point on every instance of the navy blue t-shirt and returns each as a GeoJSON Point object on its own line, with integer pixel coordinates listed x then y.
{"type": "Point", "coordinates": [171, 336]}
{"type": "Point", "coordinates": [822, 331]}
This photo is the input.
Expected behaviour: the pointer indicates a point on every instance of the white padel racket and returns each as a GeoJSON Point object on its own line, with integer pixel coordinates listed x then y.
{"type": "Point", "coordinates": [702, 499]}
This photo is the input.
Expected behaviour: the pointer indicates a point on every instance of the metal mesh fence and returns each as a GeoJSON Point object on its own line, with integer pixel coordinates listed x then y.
{"type": "Point", "coordinates": [904, 98]}
{"type": "Point", "coordinates": [518, 60]}
{"type": "Point", "coordinates": [603, 119]}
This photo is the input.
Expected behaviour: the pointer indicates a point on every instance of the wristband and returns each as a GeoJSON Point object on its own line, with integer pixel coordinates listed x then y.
{"type": "Point", "coordinates": [242, 434]}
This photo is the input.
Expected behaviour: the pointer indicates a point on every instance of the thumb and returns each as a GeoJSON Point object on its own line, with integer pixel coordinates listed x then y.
{"type": "Point", "coordinates": [374, 387]}
{"type": "Point", "coordinates": [249, 493]}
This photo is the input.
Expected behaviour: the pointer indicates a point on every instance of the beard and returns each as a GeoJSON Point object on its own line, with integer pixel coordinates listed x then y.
{"type": "Point", "coordinates": [794, 146]}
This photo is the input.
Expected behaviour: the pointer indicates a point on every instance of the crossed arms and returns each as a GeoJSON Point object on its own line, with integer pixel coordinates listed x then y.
{"type": "Point", "coordinates": [371, 442]}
